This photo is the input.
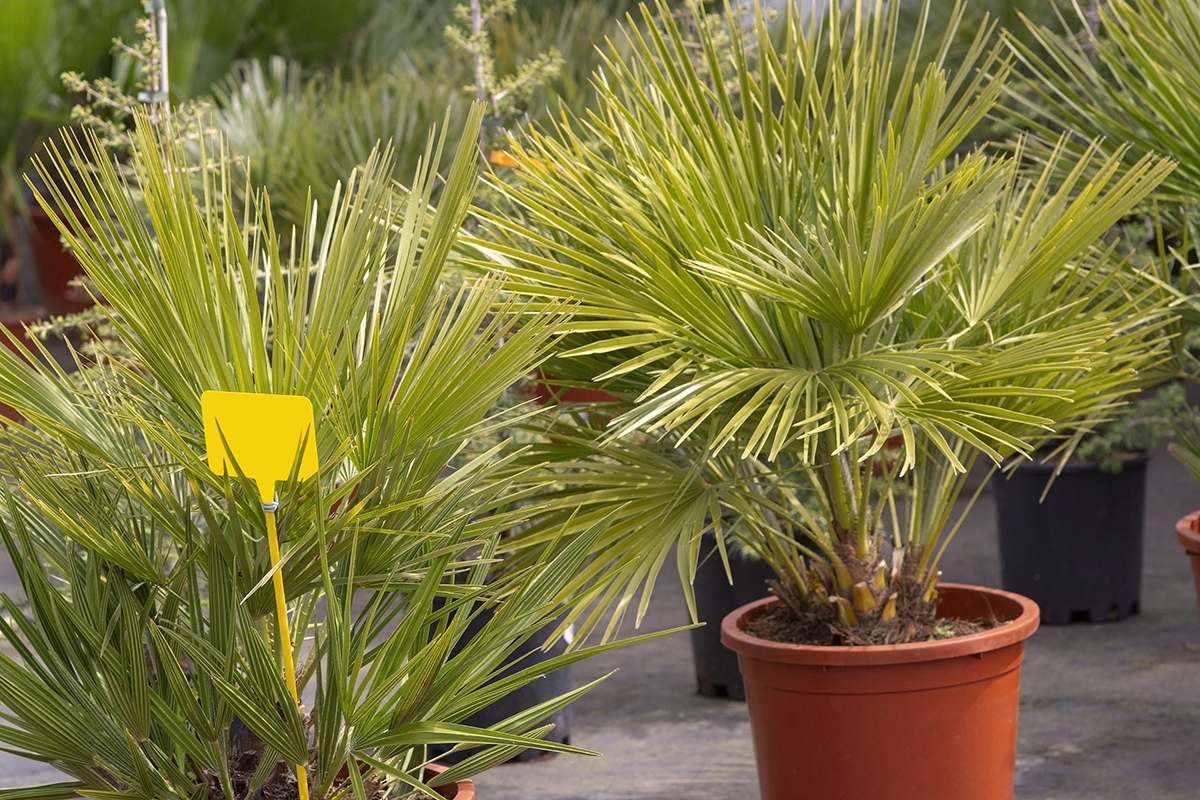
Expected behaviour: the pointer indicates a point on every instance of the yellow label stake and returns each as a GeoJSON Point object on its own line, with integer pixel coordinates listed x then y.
{"type": "Point", "coordinates": [262, 433]}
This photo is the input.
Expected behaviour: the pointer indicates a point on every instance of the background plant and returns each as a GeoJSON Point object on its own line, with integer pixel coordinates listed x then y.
{"type": "Point", "coordinates": [300, 137]}
{"type": "Point", "coordinates": [1134, 428]}
{"type": "Point", "coordinates": [38, 41]}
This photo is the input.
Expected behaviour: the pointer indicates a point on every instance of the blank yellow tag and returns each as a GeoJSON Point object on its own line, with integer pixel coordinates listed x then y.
{"type": "Point", "coordinates": [263, 433]}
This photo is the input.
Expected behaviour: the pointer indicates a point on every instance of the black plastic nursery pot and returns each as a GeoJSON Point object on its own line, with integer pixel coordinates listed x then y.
{"type": "Point", "coordinates": [1078, 553]}
{"type": "Point", "coordinates": [717, 673]}
{"type": "Point", "coordinates": [548, 687]}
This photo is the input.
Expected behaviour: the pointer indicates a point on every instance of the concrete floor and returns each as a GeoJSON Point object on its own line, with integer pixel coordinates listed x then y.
{"type": "Point", "coordinates": [1110, 711]}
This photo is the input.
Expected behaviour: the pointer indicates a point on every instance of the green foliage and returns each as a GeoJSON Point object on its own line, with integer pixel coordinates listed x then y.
{"type": "Point", "coordinates": [149, 616]}
{"type": "Point", "coordinates": [300, 137]}
{"type": "Point", "coordinates": [1186, 447]}
{"type": "Point", "coordinates": [1013, 18]}
{"type": "Point", "coordinates": [1133, 428]}
{"type": "Point", "coordinates": [108, 111]}
{"type": "Point", "coordinates": [1129, 75]}
{"type": "Point", "coordinates": [39, 39]}
{"type": "Point", "coordinates": [25, 28]}
{"type": "Point", "coordinates": [782, 271]}
{"type": "Point", "coordinates": [471, 37]}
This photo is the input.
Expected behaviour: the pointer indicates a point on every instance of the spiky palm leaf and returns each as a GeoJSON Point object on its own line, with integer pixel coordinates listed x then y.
{"type": "Point", "coordinates": [1125, 76]}
{"type": "Point", "coordinates": [785, 266]}
{"type": "Point", "coordinates": [301, 137]}
{"type": "Point", "coordinates": [1131, 81]}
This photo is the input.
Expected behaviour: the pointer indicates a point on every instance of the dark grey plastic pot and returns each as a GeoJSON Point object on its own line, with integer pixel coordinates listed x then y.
{"type": "Point", "coordinates": [1078, 554]}
{"type": "Point", "coordinates": [717, 673]}
{"type": "Point", "coordinates": [545, 688]}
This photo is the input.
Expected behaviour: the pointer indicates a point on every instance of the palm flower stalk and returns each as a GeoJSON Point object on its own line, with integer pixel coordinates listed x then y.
{"type": "Point", "coordinates": [782, 269]}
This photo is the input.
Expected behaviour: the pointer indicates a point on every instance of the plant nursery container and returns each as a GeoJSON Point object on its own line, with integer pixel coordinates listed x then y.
{"type": "Point", "coordinates": [56, 268]}
{"type": "Point", "coordinates": [459, 790]}
{"type": "Point", "coordinates": [1078, 553]}
{"type": "Point", "coordinates": [548, 687]}
{"type": "Point", "coordinates": [920, 721]}
{"type": "Point", "coordinates": [1187, 530]}
{"type": "Point", "coordinates": [17, 319]}
{"type": "Point", "coordinates": [717, 672]}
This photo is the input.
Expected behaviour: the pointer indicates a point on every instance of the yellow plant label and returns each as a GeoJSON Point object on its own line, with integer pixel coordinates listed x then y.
{"type": "Point", "coordinates": [262, 432]}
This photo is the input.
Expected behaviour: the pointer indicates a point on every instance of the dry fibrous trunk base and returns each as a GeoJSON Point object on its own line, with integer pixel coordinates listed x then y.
{"type": "Point", "coordinates": [246, 752]}
{"type": "Point", "coordinates": [809, 619]}
{"type": "Point", "coordinates": [819, 626]}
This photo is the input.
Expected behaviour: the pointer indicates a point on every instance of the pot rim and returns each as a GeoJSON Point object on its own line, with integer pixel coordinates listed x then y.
{"type": "Point", "coordinates": [1013, 631]}
{"type": "Point", "coordinates": [1185, 531]}
{"type": "Point", "coordinates": [1045, 468]}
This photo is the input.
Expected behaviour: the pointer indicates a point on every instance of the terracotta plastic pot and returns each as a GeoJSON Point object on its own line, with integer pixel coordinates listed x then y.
{"type": "Point", "coordinates": [549, 390]}
{"type": "Point", "coordinates": [1188, 532]}
{"type": "Point", "coordinates": [56, 268]}
{"type": "Point", "coordinates": [459, 790]}
{"type": "Point", "coordinates": [17, 319]}
{"type": "Point", "coordinates": [921, 721]}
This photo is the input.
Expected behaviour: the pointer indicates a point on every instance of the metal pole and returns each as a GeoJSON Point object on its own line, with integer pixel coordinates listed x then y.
{"type": "Point", "coordinates": [160, 94]}
{"type": "Point", "coordinates": [164, 83]}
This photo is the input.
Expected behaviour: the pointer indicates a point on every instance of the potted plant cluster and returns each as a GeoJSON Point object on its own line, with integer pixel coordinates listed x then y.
{"type": "Point", "coordinates": [151, 660]}
{"type": "Point", "coordinates": [1110, 77]}
{"type": "Point", "coordinates": [780, 266]}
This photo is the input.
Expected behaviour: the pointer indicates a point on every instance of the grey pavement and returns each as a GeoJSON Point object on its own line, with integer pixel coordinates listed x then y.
{"type": "Point", "coordinates": [1110, 711]}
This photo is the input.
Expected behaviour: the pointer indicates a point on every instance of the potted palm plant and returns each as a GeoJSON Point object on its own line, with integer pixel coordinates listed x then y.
{"type": "Point", "coordinates": [152, 659]}
{"type": "Point", "coordinates": [779, 264]}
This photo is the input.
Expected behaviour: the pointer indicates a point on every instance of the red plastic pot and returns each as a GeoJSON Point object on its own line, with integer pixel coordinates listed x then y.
{"type": "Point", "coordinates": [549, 390]}
{"type": "Point", "coordinates": [920, 721]}
{"type": "Point", "coordinates": [1188, 532]}
{"type": "Point", "coordinates": [56, 268]}
{"type": "Point", "coordinates": [459, 790]}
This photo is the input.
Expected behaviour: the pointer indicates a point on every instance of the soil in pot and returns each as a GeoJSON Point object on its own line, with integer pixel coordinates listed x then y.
{"type": "Point", "coordinates": [716, 666]}
{"type": "Point", "coordinates": [779, 624]}
{"type": "Point", "coordinates": [1078, 553]}
{"type": "Point", "coordinates": [919, 721]}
